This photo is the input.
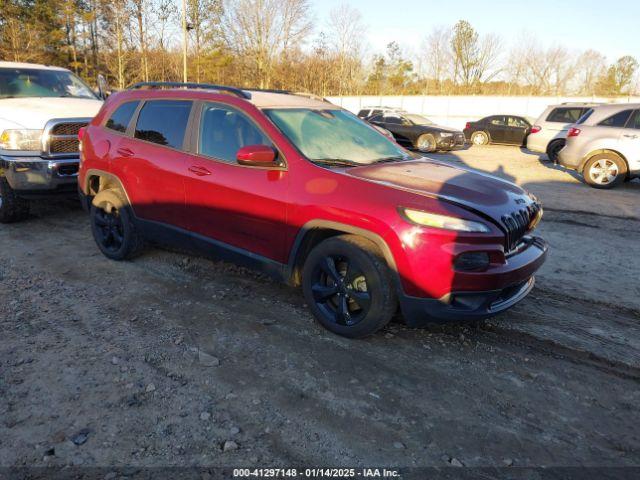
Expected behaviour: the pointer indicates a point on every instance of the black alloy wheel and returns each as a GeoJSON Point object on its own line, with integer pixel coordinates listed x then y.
{"type": "Point", "coordinates": [109, 228]}
{"type": "Point", "coordinates": [340, 290]}
{"type": "Point", "coordinates": [349, 286]}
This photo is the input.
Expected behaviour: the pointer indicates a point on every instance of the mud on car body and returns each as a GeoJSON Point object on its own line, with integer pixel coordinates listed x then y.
{"type": "Point", "coordinates": [313, 195]}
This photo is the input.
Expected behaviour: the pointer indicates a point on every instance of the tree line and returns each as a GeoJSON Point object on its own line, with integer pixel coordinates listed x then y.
{"type": "Point", "coordinates": [274, 44]}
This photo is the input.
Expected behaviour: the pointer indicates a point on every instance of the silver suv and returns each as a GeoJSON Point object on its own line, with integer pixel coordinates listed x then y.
{"type": "Point", "coordinates": [604, 145]}
{"type": "Point", "coordinates": [549, 132]}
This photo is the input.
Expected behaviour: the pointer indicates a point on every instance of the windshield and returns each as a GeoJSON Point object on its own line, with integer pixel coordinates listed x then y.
{"type": "Point", "coordinates": [335, 135]}
{"type": "Point", "coordinates": [28, 82]}
{"type": "Point", "coordinates": [418, 119]}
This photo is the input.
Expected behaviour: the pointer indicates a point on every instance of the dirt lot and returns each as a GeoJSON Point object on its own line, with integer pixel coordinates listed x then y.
{"type": "Point", "coordinates": [164, 360]}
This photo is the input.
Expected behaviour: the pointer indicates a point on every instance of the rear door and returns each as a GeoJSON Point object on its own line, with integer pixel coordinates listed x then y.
{"type": "Point", "coordinates": [497, 126]}
{"type": "Point", "coordinates": [241, 206]}
{"type": "Point", "coordinates": [630, 141]}
{"type": "Point", "coordinates": [151, 163]}
{"type": "Point", "coordinates": [517, 130]}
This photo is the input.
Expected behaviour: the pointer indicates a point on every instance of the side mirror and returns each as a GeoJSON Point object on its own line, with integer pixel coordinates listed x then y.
{"type": "Point", "coordinates": [257, 156]}
{"type": "Point", "coordinates": [103, 88]}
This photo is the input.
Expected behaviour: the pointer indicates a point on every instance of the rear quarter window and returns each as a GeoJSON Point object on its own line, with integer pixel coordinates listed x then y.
{"type": "Point", "coordinates": [164, 122]}
{"type": "Point", "coordinates": [617, 120]}
{"type": "Point", "coordinates": [119, 120]}
{"type": "Point", "coordinates": [565, 115]}
{"type": "Point", "coordinates": [585, 116]}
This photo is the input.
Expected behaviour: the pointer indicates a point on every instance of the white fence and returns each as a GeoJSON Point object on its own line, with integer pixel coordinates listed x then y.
{"type": "Point", "coordinates": [455, 111]}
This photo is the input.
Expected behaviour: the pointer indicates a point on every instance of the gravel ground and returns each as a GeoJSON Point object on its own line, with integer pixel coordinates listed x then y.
{"type": "Point", "coordinates": [175, 360]}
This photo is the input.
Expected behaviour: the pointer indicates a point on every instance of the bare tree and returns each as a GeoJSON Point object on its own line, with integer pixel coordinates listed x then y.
{"type": "Point", "coordinates": [590, 66]}
{"type": "Point", "coordinates": [436, 55]}
{"type": "Point", "coordinates": [346, 31]}
{"type": "Point", "coordinates": [263, 30]}
{"type": "Point", "coordinates": [139, 8]}
{"type": "Point", "coordinates": [204, 17]}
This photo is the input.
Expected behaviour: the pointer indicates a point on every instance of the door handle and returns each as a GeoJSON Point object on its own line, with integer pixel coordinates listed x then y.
{"type": "Point", "coordinates": [198, 170]}
{"type": "Point", "coordinates": [125, 152]}
{"type": "Point", "coordinates": [630, 136]}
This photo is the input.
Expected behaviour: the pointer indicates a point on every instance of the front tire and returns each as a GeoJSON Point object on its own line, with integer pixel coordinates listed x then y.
{"type": "Point", "coordinates": [426, 143]}
{"type": "Point", "coordinates": [480, 138]}
{"type": "Point", "coordinates": [605, 170]}
{"type": "Point", "coordinates": [113, 228]}
{"type": "Point", "coordinates": [348, 286]}
{"type": "Point", "coordinates": [12, 207]}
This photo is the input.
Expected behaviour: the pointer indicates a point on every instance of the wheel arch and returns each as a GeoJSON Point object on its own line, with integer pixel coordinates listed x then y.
{"type": "Point", "coordinates": [599, 151]}
{"type": "Point", "coordinates": [97, 181]}
{"type": "Point", "coordinates": [316, 231]}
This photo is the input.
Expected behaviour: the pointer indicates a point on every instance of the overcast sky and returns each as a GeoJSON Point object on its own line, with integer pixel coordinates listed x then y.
{"type": "Point", "coordinates": [612, 27]}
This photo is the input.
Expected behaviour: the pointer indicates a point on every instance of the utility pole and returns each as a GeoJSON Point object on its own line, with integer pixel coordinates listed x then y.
{"type": "Point", "coordinates": [184, 41]}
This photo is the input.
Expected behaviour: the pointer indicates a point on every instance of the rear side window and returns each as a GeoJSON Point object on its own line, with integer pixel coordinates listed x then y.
{"type": "Point", "coordinates": [565, 115]}
{"type": "Point", "coordinates": [363, 113]}
{"type": "Point", "coordinates": [585, 116]}
{"type": "Point", "coordinates": [163, 122]}
{"type": "Point", "coordinates": [617, 120]}
{"type": "Point", "coordinates": [120, 119]}
{"type": "Point", "coordinates": [634, 122]}
{"type": "Point", "coordinates": [497, 121]}
{"type": "Point", "coordinates": [224, 131]}
{"type": "Point", "coordinates": [394, 120]}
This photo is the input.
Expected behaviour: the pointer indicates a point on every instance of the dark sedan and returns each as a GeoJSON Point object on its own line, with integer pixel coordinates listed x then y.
{"type": "Point", "coordinates": [507, 129]}
{"type": "Point", "coordinates": [418, 132]}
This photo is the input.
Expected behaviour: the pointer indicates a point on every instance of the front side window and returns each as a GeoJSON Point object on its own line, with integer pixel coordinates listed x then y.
{"type": "Point", "coordinates": [120, 119]}
{"type": "Point", "coordinates": [392, 119]}
{"type": "Point", "coordinates": [617, 120]}
{"type": "Point", "coordinates": [224, 131]}
{"type": "Point", "coordinates": [163, 122]}
{"type": "Point", "coordinates": [32, 82]}
{"type": "Point", "coordinates": [337, 136]}
{"type": "Point", "coordinates": [565, 115]}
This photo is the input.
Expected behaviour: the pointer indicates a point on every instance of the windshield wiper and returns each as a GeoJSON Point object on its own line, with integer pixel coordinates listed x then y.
{"type": "Point", "coordinates": [397, 158]}
{"type": "Point", "coordinates": [337, 162]}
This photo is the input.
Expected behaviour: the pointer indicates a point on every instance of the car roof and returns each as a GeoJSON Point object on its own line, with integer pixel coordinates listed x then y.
{"type": "Point", "coordinates": [33, 66]}
{"type": "Point", "coordinates": [259, 98]}
{"type": "Point", "coordinates": [602, 112]}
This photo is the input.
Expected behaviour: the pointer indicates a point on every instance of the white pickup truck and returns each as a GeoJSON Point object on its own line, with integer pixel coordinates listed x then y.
{"type": "Point", "coordinates": [42, 108]}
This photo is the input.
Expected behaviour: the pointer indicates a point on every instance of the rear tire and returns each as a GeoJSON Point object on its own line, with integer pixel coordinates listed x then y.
{"type": "Point", "coordinates": [605, 170]}
{"type": "Point", "coordinates": [349, 287]}
{"type": "Point", "coordinates": [553, 149]}
{"type": "Point", "coordinates": [479, 138]}
{"type": "Point", "coordinates": [12, 207]}
{"type": "Point", "coordinates": [113, 227]}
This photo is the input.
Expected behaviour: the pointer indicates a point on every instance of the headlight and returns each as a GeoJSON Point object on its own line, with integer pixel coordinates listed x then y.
{"type": "Point", "coordinates": [446, 134]}
{"type": "Point", "coordinates": [442, 221]}
{"type": "Point", "coordinates": [25, 140]}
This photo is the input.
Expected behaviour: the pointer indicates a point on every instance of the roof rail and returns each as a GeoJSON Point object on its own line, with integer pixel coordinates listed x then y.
{"type": "Point", "coordinates": [268, 90]}
{"type": "Point", "coordinates": [205, 86]}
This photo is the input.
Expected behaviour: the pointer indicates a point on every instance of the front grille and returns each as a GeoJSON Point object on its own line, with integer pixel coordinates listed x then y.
{"type": "Point", "coordinates": [518, 223]}
{"type": "Point", "coordinates": [67, 128]}
{"type": "Point", "coordinates": [64, 145]}
{"type": "Point", "coordinates": [61, 137]}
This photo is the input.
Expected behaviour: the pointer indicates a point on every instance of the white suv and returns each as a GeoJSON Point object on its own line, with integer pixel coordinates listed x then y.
{"type": "Point", "coordinates": [549, 132]}
{"type": "Point", "coordinates": [604, 145]}
{"type": "Point", "coordinates": [42, 108]}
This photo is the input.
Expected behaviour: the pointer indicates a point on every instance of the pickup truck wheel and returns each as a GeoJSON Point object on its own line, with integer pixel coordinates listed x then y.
{"type": "Point", "coordinates": [348, 286]}
{"type": "Point", "coordinates": [12, 207]}
{"type": "Point", "coordinates": [113, 228]}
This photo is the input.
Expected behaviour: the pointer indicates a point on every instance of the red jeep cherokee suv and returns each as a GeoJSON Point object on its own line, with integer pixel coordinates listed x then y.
{"type": "Point", "coordinates": [311, 194]}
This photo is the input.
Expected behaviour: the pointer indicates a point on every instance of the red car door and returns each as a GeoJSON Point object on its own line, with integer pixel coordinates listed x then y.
{"type": "Point", "coordinates": [151, 163]}
{"type": "Point", "coordinates": [240, 206]}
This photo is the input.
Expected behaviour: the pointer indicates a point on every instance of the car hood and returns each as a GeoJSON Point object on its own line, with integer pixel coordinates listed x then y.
{"type": "Point", "coordinates": [34, 113]}
{"type": "Point", "coordinates": [480, 192]}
